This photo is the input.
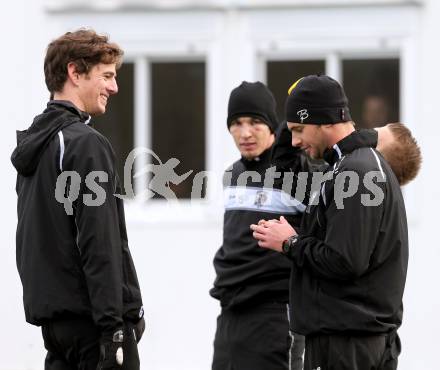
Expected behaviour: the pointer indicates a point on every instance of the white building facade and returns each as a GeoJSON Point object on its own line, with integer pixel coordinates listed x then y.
{"type": "Point", "coordinates": [370, 46]}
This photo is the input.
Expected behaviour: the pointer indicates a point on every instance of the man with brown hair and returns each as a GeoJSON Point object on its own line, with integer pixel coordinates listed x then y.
{"type": "Point", "coordinates": [79, 281]}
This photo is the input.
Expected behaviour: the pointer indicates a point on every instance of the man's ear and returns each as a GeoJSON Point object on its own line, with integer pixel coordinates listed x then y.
{"type": "Point", "coordinates": [72, 73]}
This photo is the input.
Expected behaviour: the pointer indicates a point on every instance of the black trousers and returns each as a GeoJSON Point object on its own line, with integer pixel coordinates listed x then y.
{"type": "Point", "coordinates": [73, 344]}
{"type": "Point", "coordinates": [257, 338]}
{"type": "Point", "coordinates": [343, 352]}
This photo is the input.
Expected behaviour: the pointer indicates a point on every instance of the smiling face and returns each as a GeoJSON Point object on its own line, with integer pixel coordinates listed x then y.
{"type": "Point", "coordinates": [251, 136]}
{"type": "Point", "coordinates": [310, 138]}
{"type": "Point", "coordinates": [95, 88]}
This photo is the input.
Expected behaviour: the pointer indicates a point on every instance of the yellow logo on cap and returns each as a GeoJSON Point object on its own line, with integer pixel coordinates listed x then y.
{"type": "Point", "coordinates": [293, 86]}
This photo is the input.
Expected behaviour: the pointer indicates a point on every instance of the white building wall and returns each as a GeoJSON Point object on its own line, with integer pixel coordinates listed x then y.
{"type": "Point", "coordinates": [422, 302]}
{"type": "Point", "coordinates": [173, 249]}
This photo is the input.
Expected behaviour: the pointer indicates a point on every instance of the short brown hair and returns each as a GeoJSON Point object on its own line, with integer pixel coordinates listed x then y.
{"type": "Point", "coordinates": [403, 155]}
{"type": "Point", "coordinates": [83, 47]}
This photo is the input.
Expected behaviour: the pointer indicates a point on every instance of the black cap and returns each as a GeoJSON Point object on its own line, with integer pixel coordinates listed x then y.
{"type": "Point", "coordinates": [317, 100]}
{"type": "Point", "coordinates": [253, 99]}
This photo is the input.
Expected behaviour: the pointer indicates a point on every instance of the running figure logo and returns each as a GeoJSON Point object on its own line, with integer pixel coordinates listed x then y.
{"type": "Point", "coordinates": [162, 175]}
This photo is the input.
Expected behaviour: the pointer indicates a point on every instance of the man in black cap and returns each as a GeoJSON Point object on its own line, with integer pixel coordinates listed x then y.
{"type": "Point", "coordinates": [351, 253]}
{"type": "Point", "coordinates": [252, 283]}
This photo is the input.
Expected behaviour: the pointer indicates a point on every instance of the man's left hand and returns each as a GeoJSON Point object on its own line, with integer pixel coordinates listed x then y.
{"type": "Point", "coordinates": [271, 234]}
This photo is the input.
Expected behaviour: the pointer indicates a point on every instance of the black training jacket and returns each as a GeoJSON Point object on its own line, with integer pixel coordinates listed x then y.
{"type": "Point", "coordinates": [77, 264]}
{"type": "Point", "coordinates": [350, 264]}
{"type": "Point", "coordinates": [246, 273]}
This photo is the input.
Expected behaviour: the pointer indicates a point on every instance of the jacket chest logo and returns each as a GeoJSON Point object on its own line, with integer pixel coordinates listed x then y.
{"type": "Point", "coordinates": [261, 198]}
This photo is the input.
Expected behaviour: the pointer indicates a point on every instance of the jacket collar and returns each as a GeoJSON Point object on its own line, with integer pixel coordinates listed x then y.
{"type": "Point", "coordinates": [356, 140]}
{"type": "Point", "coordinates": [84, 116]}
{"type": "Point", "coordinates": [262, 158]}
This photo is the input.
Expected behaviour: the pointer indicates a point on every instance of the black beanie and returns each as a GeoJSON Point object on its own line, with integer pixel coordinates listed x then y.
{"type": "Point", "coordinates": [317, 99]}
{"type": "Point", "coordinates": [253, 99]}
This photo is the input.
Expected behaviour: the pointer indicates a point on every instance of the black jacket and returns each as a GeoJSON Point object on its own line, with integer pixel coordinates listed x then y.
{"type": "Point", "coordinates": [77, 264]}
{"type": "Point", "coordinates": [349, 265]}
{"type": "Point", "coordinates": [246, 273]}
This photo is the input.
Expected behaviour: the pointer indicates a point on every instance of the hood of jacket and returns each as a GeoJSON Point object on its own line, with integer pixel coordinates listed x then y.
{"type": "Point", "coordinates": [31, 143]}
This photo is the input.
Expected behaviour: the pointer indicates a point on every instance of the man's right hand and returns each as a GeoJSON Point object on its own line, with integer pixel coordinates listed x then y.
{"type": "Point", "coordinates": [271, 234]}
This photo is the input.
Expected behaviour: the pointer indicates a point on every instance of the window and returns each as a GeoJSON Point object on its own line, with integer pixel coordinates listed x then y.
{"type": "Point", "coordinates": [176, 124]}
{"type": "Point", "coordinates": [372, 86]}
{"type": "Point", "coordinates": [178, 119]}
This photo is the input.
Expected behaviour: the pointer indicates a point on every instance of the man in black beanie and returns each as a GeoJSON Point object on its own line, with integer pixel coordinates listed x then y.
{"type": "Point", "coordinates": [350, 256]}
{"type": "Point", "coordinates": [252, 283]}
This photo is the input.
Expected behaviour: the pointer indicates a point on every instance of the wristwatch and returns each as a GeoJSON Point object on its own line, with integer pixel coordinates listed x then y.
{"type": "Point", "coordinates": [289, 243]}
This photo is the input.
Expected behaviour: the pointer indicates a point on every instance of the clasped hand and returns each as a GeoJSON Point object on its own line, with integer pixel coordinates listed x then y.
{"type": "Point", "coordinates": [272, 233]}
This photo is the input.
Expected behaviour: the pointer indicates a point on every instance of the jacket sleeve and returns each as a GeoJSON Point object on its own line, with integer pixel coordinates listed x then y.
{"type": "Point", "coordinates": [350, 237]}
{"type": "Point", "coordinates": [98, 234]}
